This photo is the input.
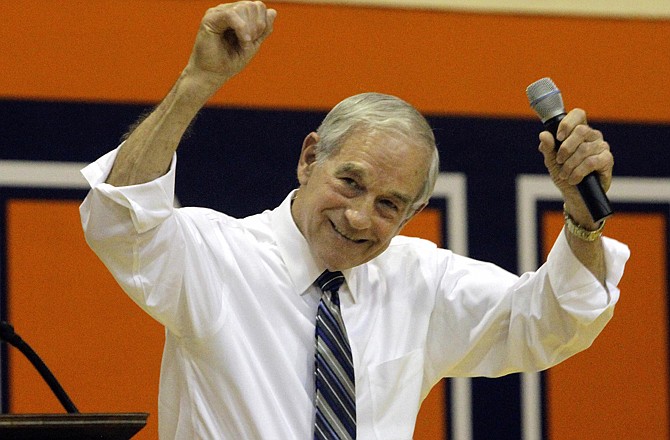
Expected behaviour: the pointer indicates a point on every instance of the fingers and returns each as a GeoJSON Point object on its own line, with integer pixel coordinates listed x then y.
{"type": "Point", "coordinates": [570, 121]}
{"type": "Point", "coordinates": [229, 37]}
{"type": "Point", "coordinates": [583, 151]}
{"type": "Point", "coordinates": [581, 137]}
{"type": "Point", "coordinates": [269, 22]}
{"type": "Point", "coordinates": [250, 21]}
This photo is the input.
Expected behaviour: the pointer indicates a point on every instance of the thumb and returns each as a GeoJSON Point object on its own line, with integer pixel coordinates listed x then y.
{"type": "Point", "coordinates": [546, 147]}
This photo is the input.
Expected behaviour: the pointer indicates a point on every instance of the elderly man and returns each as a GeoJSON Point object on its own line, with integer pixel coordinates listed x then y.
{"type": "Point", "coordinates": [316, 319]}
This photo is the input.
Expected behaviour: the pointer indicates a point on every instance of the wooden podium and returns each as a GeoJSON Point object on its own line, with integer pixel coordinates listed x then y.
{"type": "Point", "coordinates": [104, 426]}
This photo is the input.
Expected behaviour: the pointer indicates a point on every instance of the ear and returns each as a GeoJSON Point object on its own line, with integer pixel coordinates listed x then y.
{"type": "Point", "coordinates": [307, 157]}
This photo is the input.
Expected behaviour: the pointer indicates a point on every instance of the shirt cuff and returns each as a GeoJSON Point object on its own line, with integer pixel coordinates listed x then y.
{"type": "Point", "coordinates": [149, 203]}
{"type": "Point", "coordinates": [576, 287]}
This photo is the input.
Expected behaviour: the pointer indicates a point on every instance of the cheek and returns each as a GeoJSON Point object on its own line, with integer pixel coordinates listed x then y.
{"type": "Point", "coordinates": [388, 229]}
{"type": "Point", "coordinates": [382, 236]}
{"type": "Point", "coordinates": [329, 199]}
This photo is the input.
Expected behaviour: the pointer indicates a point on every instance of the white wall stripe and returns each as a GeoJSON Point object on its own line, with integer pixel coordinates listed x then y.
{"type": "Point", "coordinates": [633, 9]}
{"type": "Point", "coordinates": [533, 188]}
{"type": "Point", "coordinates": [45, 174]}
{"type": "Point", "coordinates": [452, 187]}
{"type": "Point", "coordinates": [18, 173]}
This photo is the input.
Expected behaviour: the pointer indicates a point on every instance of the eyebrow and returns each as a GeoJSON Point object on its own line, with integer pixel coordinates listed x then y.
{"type": "Point", "coordinates": [353, 169]}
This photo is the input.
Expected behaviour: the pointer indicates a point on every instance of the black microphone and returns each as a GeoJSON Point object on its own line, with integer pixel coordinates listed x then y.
{"type": "Point", "coordinates": [546, 100]}
{"type": "Point", "coordinates": [8, 335]}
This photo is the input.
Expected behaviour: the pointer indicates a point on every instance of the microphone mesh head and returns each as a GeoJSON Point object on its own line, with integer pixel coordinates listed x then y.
{"type": "Point", "coordinates": [545, 99]}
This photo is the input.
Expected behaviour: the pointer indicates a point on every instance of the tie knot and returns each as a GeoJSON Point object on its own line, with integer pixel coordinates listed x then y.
{"type": "Point", "coordinates": [330, 281]}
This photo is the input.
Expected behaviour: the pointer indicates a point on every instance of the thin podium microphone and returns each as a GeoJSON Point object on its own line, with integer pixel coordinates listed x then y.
{"type": "Point", "coordinates": [8, 335]}
{"type": "Point", "coordinates": [546, 100]}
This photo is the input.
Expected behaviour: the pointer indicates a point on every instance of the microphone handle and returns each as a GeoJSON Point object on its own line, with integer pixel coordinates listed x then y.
{"type": "Point", "coordinates": [589, 188]}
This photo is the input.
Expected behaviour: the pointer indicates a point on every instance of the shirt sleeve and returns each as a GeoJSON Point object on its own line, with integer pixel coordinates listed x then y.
{"type": "Point", "coordinates": [148, 204]}
{"type": "Point", "coordinates": [576, 288]}
{"type": "Point", "coordinates": [492, 323]}
{"type": "Point", "coordinates": [151, 249]}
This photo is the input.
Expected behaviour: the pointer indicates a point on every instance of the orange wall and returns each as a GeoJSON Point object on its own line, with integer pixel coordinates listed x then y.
{"type": "Point", "coordinates": [618, 388]}
{"type": "Point", "coordinates": [103, 349]}
{"type": "Point", "coordinates": [444, 62]}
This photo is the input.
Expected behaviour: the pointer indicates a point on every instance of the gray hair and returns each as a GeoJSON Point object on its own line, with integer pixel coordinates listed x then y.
{"type": "Point", "coordinates": [384, 113]}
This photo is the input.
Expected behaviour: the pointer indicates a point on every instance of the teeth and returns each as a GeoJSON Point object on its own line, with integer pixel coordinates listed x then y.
{"type": "Point", "coordinates": [345, 236]}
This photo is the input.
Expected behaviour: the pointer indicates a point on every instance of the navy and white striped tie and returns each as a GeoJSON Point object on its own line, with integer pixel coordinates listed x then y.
{"type": "Point", "coordinates": [334, 372]}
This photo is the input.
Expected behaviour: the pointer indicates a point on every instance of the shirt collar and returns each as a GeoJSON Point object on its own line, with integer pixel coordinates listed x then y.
{"type": "Point", "coordinates": [301, 266]}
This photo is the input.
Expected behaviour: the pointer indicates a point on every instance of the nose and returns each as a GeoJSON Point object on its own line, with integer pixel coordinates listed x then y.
{"type": "Point", "coordinates": [358, 216]}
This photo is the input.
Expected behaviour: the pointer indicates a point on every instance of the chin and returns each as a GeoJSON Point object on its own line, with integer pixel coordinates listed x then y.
{"type": "Point", "coordinates": [335, 264]}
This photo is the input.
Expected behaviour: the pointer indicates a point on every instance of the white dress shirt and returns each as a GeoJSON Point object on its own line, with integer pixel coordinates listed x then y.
{"type": "Point", "coordinates": [237, 300]}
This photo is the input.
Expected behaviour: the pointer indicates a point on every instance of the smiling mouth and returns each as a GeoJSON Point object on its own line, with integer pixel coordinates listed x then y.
{"type": "Point", "coordinates": [343, 235]}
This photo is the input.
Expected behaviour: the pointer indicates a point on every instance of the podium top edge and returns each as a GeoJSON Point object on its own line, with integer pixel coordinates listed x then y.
{"type": "Point", "coordinates": [70, 419]}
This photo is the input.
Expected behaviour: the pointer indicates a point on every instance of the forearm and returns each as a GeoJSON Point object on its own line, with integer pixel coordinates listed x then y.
{"type": "Point", "coordinates": [228, 37]}
{"type": "Point", "coordinates": [590, 254]}
{"type": "Point", "coordinates": [147, 152]}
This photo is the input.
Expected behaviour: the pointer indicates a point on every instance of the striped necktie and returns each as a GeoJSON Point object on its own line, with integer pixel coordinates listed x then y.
{"type": "Point", "coordinates": [334, 372]}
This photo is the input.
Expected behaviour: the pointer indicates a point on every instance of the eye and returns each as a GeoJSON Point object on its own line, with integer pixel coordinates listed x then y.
{"type": "Point", "coordinates": [389, 205]}
{"type": "Point", "coordinates": [349, 182]}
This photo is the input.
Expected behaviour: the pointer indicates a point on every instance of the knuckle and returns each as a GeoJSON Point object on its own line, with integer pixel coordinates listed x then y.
{"type": "Point", "coordinates": [581, 113]}
{"type": "Point", "coordinates": [583, 130]}
{"type": "Point", "coordinates": [591, 162]}
{"type": "Point", "coordinates": [561, 156]}
{"type": "Point", "coordinates": [596, 163]}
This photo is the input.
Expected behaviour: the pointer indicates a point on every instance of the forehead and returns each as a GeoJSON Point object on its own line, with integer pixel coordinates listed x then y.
{"type": "Point", "coordinates": [384, 159]}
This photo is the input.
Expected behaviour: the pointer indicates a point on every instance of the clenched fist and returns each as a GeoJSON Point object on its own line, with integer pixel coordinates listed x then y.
{"type": "Point", "coordinates": [229, 36]}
